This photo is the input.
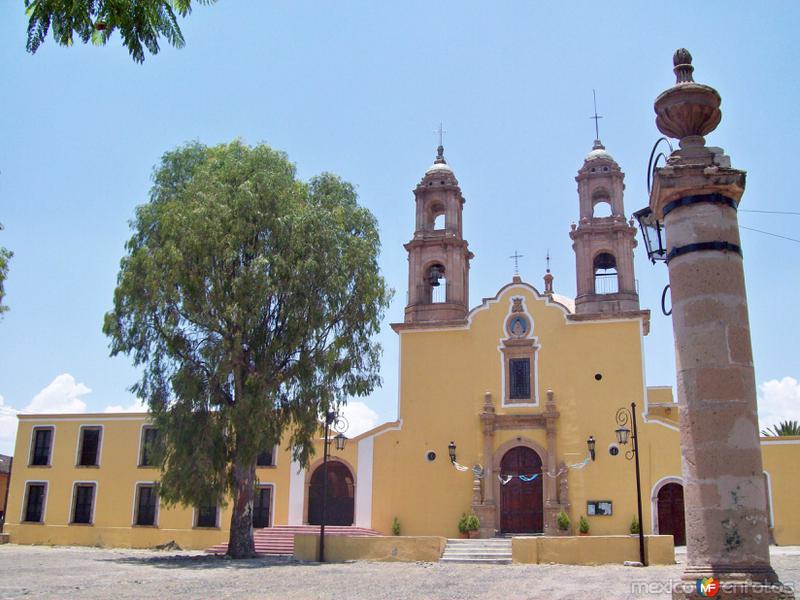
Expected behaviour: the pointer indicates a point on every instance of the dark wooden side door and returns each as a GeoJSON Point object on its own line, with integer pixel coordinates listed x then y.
{"type": "Point", "coordinates": [670, 513]}
{"type": "Point", "coordinates": [521, 503]}
{"type": "Point", "coordinates": [261, 507]}
{"type": "Point", "coordinates": [341, 495]}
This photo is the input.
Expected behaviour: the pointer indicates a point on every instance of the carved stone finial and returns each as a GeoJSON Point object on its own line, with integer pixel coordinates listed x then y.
{"type": "Point", "coordinates": [440, 156]}
{"type": "Point", "coordinates": [688, 110]}
{"type": "Point", "coordinates": [682, 60]}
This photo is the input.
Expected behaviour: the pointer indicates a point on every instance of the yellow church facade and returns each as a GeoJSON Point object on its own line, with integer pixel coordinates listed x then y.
{"type": "Point", "coordinates": [497, 405]}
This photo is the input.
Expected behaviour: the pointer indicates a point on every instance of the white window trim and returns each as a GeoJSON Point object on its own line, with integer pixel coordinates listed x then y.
{"type": "Point", "coordinates": [31, 445]}
{"type": "Point", "coordinates": [79, 445]}
{"type": "Point", "coordinates": [141, 446]}
{"type": "Point", "coordinates": [71, 514]}
{"type": "Point", "coordinates": [22, 520]}
{"type": "Point", "coordinates": [135, 506]}
{"type": "Point", "coordinates": [274, 487]}
{"type": "Point", "coordinates": [195, 515]}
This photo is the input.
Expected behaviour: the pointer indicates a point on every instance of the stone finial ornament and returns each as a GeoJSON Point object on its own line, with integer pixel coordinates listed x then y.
{"type": "Point", "coordinates": [682, 60]}
{"type": "Point", "coordinates": [440, 156]}
{"type": "Point", "coordinates": [688, 110]}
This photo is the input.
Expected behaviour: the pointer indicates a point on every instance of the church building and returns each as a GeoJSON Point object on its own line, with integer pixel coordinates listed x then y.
{"type": "Point", "coordinates": [508, 409]}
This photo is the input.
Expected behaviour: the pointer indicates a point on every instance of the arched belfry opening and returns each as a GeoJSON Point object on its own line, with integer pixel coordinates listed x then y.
{"type": "Point", "coordinates": [606, 277]}
{"type": "Point", "coordinates": [602, 239]}
{"type": "Point", "coordinates": [438, 256]}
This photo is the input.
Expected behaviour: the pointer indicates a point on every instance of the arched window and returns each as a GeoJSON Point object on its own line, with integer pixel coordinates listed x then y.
{"type": "Point", "coordinates": [435, 216]}
{"type": "Point", "coordinates": [436, 284]}
{"type": "Point", "coordinates": [606, 278]}
{"type": "Point", "coordinates": [602, 208]}
{"type": "Point", "coordinates": [438, 222]}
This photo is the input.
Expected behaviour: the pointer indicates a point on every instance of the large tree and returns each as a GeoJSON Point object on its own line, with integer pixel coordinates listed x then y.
{"type": "Point", "coordinates": [250, 299]}
{"type": "Point", "coordinates": [5, 257]}
{"type": "Point", "coordinates": [141, 23]}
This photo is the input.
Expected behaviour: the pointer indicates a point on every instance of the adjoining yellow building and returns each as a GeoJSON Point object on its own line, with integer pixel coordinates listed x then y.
{"type": "Point", "coordinates": [518, 384]}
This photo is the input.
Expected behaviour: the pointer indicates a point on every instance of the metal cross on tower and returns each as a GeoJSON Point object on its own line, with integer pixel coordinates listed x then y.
{"type": "Point", "coordinates": [548, 260]}
{"type": "Point", "coordinates": [516, 256]}
{"type": "Point", "coordinates": [596, 117]}
{"type": "Point", "coordinates": [441, 133]}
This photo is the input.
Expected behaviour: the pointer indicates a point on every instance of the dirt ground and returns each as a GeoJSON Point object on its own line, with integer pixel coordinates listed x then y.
{"type": "Point", "coordinates": [71, 572]}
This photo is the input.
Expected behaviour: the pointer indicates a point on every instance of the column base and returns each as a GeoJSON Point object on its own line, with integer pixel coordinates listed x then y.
{"type": "Point", "coordinates": [486, 515]}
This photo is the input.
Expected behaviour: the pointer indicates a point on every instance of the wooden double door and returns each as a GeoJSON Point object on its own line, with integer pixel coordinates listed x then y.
{"type": "Point", "coordinates": [521, 502]}
{"type": "Point", "coordinates": [671, 518]}
{"type": "Point", "coordinates": [340, 501]}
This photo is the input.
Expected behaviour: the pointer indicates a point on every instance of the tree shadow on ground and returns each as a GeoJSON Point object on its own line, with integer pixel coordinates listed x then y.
{"type": "Point", "coordinates": [206, 562]}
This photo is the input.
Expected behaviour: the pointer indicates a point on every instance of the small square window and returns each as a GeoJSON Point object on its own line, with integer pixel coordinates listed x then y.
{"type": "Point", "coordinates": [42, 441]}
{"type": "Point", "coordinates": [34, 502]}
{"type": "Point", "coordinates": [519, 370]}
{"type": "Point", "coordinates": [149, 440]}
{"type": "Point", "coordinates": [90, 447]}
{"type": "Point", "coordinates": [84, 502]}
{"type": "Point", "coordinates": [207, 516]}
{"type": "Point", "coordinates": [146, 502]}
{"type": "Point", "coordinates": [266, 458]}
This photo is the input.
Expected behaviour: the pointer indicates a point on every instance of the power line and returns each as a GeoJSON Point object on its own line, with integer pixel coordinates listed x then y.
{"type": "Point", "coordinates": [770, 212]}
{"type": "Point", "coordinates": [783, 237]}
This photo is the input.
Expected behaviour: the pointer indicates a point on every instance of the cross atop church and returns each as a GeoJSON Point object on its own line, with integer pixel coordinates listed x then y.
{"type": "Point", "coordinates": [516, 256]}
{"type": "Point", "coordinates": [548, 260]}
{"type": "Point", "coordinates": [441, 133]}
{"type": "Point", "coordinates": [596, 117]}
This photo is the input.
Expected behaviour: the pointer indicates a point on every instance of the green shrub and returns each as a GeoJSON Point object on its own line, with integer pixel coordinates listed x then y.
{"type": "Point", "coordinates": [562, 520]}
{"type": "Point", "coordinates": [473, 522]}
{"type": "Point", "coordinates": [583, 525]}
{"type": "Point", "coordinates": [395, 527]}
{"type": "Point", "coordinates": [463, 523]}
{"type": "Point", "coordinates": [634, 526]}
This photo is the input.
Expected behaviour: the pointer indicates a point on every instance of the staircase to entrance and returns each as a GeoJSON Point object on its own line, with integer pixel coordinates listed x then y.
{"type": "Point", "coordinates": [495, 551]}
{"type": "Point", "coordinates": [279, 541]}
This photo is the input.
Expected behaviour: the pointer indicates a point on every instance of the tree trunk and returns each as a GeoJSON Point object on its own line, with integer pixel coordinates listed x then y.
{"type": "Point", "coordinates": [240, 543]}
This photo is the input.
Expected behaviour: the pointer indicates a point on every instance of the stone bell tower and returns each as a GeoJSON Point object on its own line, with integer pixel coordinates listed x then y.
{"type": "Point", "coordinates": [438, 256]}
{"type": "Point", "coordinates": [603, 240]}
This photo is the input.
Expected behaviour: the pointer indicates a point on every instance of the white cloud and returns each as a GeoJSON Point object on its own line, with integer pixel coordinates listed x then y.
{"type": "Point", "coordinates": [62, 395]}
{"type": "Point", "coordinates": [8, 428]}
{"type": "Point", "coordinates": [778, 400]}
{"type": "Point", "coordinates": [360, 417]}
{"type": "Point", "coordinates": [135, 406]}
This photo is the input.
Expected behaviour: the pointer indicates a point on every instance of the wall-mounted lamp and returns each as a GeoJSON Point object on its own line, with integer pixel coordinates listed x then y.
{"type": "Point", "coordinates": [451, 449]}
{"type": "Point", "coordinates": [590, 443]}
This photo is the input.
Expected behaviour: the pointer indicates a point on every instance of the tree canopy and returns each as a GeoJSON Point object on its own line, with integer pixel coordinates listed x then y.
{"type": "Point", "coordinates": [250, 300]}
{"type": "Point", "coordinates": [5, 257]}
{"type": "Point", "coordinates": [141, 23]}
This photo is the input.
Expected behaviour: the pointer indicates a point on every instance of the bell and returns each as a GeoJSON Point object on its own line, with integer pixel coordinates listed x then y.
{"type": "Point", "coordinates": [434, 274]}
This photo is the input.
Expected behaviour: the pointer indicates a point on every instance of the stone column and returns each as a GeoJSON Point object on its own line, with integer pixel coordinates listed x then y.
{"type": "Point", "coordinates": [486, 509]}
{"type": "Point", "coordinates": [696, 195]}
{"type": "Point", "coordinates": [551, 505]}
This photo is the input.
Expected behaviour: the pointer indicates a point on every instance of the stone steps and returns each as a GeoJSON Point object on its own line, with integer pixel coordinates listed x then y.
{"type": "Point", "coordinates": [496, 551]}
{"type": "Point", "coordinates": [279, 541]}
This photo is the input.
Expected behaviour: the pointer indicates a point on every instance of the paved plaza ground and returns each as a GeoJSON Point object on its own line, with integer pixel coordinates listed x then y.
{"type": "Point", "coordinates": [71, 572]}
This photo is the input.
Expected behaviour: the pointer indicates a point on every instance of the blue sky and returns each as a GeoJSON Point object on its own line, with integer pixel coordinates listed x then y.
{"type": "Point", "coordinates": [357, 88]}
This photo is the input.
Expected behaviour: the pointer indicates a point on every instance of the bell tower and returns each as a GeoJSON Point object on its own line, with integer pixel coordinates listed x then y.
{"type": "Point", "coordinates": [603, 240]}
{"type": "Point", "coordinates": [438, 256]}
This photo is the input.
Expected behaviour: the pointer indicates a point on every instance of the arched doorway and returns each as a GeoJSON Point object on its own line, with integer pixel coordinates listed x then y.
{"type": "Point", "coordinates": [521, 504]}
{"type": "Point", "coordinates": [341, 492]}
{"type": "Point", "coordinates": [670, 513]}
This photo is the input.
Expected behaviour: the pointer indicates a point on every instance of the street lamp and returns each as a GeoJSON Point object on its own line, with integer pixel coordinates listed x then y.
{"type": "Point", "coordinates": [338, 423]}
{"type": "Point", "coordinates": [590, 443]}
{"type": "Point", "coordinates": [624, 416]}
{"type": "Point", "coordinates": [652, 234]}
{"type": "Point", "coordinates": [451, 449]}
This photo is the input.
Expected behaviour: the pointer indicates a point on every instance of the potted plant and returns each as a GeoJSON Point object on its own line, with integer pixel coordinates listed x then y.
{"type": "Point", "coordinates": [634, 527]}
{"type": "Point", "coordinates": [396, 527]}
{"type": "Point", "coordinates": [463, 526]}
{"type": "Point", "coordinates": [473, 524]}
{"type": "Point", "coordinates": [562, 521]}
{"type": "Point", "coordinates": [583, 526]}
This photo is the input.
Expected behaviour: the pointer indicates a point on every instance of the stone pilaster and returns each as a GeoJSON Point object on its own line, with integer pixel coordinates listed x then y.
{"type": "Point", "coordinates": [696, 196]}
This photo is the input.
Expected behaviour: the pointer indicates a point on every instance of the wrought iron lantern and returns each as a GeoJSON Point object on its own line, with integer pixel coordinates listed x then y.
{"type": "Point", "coordinates": [652, 234]}
{"type": "Point", "coordinates": [623, 433]}
{"type": "Point", "coordinates": [340, 440]}
{"type": "Point", "coordinates": [451, 449]}
{"type": "Point", "coordinates": [590, 443]}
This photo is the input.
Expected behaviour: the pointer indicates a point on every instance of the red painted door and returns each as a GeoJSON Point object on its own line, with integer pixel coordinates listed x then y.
{"type": "Point", "coordinates": [521, 504]}
{"type": "Point", "coordinates": [670, 513]}
{"type": "Point", "coordinates": [341, 495]}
